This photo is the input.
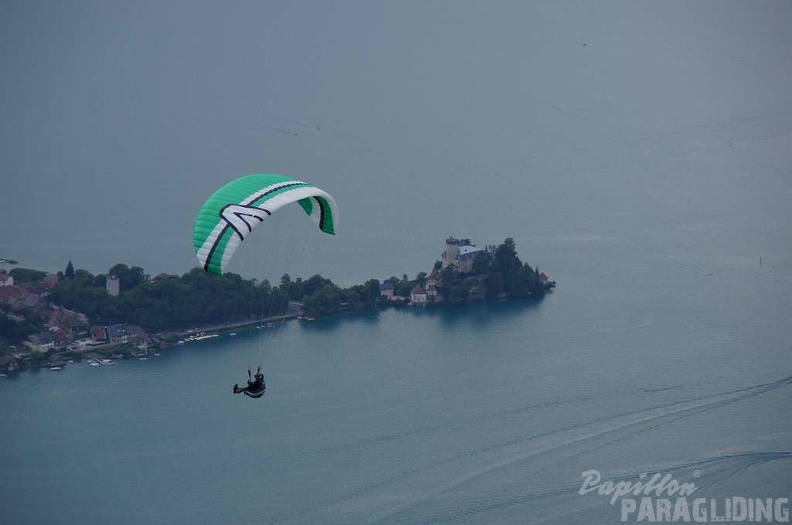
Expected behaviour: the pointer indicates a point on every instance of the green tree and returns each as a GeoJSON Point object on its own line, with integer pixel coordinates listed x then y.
{"type": "Point", "coordinates": [69, 273]}
{"type": "Point", "coordinates": [461, 291]}
{"type": "Point", "coordinates": [130, 277]}
{"type": "Point", "coordinates": [506, 262]}
{"type": "Point", "coordinates": [325, 301]}
{"type": "Point", "coordinates": [13, 331]}
{"type": "Point", "coordinates": [481, 262]}
{"type": "Point", "coordinates": [494, 285]}
{"type": "Point", "coordinates": [313, 284]}
{"type": "Point", "coordinates": [447, 277]}
{"type": "Point", "coordinates": [83, 275]}
{"type": "Point", "coordinates": [368, 293]}
{"type": "Point", "coordinates": [402, 288]}
{"type": "Point", "coordinates": [26, 276]}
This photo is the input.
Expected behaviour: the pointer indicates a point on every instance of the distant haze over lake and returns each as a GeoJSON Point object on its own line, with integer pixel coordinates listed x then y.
{"type": "Point", "coordinates": [649, 128]}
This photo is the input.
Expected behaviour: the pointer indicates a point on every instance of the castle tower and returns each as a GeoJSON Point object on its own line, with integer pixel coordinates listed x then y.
{"type": "Point", "coordinates": [452, 250]}
{"type": "Point", "coordinates": [113, 285]}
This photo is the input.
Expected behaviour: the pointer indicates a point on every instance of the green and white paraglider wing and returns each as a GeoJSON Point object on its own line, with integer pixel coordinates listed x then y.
{"type": "Point", "coordinates": [233, 211]}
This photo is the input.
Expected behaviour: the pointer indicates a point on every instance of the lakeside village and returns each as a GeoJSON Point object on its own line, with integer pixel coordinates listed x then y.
{"type": "Point", "coordinates": [53, 319]}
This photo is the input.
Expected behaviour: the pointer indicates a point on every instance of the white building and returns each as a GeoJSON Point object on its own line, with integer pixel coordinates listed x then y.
{"type": "Point", "coordinates": [113, 285]}
{"type": "Point", "coordinates": [6, 279]}
{"type": "Point", "coordinates": [461, 253]}
{"type": "Point", "coordinates": [41, 342]}
{"type": "Point", "coordinates": [418, 295]}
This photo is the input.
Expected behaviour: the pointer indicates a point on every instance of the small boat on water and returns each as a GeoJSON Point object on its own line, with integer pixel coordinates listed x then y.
{"type": "Point", "coordinates": [56, 368]}
{"type": "Point", "coordinates": [200, 336]}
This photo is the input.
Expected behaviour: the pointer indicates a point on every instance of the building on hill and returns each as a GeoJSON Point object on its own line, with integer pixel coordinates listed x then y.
{"type": "Point", "coordinates": [41, 342]}
{"type": "Point", "coordinates": [386, 290]}
{"type": "Point", "coordinates": [434, 279]}
{"type": "Point", "coordinates": [117, 333]}
{"type": "Point", "coordinates": [6, 279]}
{"type": "Point", "coordinates": [418, 295]}
{"type": "Point", "coordinates": [113, 285]}
{"type": "Point", "coordinates": [121, 333]}
{"type": "Point", "coordinates": [99, 333]}
{"type": "Point", "coordinates": [461, 253]}
{"type": "Point", "coordinates": [431, 293]}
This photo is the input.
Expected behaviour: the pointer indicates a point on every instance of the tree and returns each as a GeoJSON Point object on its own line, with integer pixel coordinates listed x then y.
{"type": "Point", "coordinates": [506, 262]}
{"type": "Point", "coordinates": [447, 277]}
{"type": "Point", "coordinates": [402, 288]}
{"type": "Point", "coordinates": [130, 277]}
{"type": "Point", "coordinates": [461, 291]}
{"type": "Point", "coordinates": [314, 283]}
{"type": "Point", "coordinates": [13, 331]}
{"type": "Point", "coordinates": [83, 275]}
{"type": "Point", "coordinates": [482, 261]}
{"type": "Point", "coordinates": [69, 273]}
{"type": "Point", "coordinates": [26, 276]}
{"type": "Point", "coordinates": [325, 301]}
{"type": "Point", "coordinates": [494, 285]}
{"type": "Point", "coordinates": [371, 291]}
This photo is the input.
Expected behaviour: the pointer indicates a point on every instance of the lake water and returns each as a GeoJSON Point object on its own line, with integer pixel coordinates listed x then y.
{"type": "Point", "coordinates": [484, 414]}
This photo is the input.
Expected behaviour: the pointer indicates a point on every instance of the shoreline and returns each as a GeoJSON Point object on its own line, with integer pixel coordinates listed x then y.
{"type": "Point", "coordinates": [161, 341]}
{"type": "Point", "coordinates": [168, 339]}
{"type": "Point", "coordinates": [228, 325]}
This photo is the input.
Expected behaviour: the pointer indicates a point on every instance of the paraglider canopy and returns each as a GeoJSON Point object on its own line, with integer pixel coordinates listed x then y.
{"type": "Point", "coordinates": [233, 211]}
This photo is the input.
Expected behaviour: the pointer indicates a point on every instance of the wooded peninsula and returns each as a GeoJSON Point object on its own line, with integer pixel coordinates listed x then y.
{"type": "Point", "coordinates": [65, 306]}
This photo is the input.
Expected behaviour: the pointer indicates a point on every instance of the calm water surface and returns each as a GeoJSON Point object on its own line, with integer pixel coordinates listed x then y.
{"type": "Point", "coordinates": [486, 414]}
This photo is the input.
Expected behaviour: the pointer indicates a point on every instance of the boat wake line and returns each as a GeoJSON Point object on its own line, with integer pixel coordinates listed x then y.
{"type": "Point", "coordinates": [431, 491]}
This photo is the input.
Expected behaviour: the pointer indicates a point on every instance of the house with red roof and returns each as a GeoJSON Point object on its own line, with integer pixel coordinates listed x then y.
{"type": "Point", "coordinates": [418, 295]}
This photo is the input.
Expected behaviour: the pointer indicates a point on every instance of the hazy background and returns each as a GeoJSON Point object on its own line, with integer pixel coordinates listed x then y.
{"type": "Point", "coordinates": [551, 122]}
